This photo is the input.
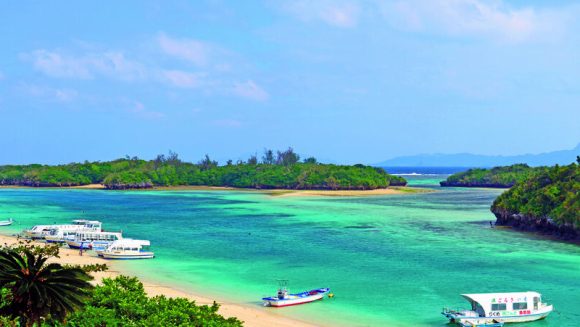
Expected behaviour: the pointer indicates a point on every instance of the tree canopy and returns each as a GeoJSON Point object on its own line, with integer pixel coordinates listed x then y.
{"type": "Point", "coordinates": [283, 170]}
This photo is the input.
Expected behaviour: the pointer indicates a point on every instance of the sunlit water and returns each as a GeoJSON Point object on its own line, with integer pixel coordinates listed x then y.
{"type": "Point", "coordinates": [390, 260]}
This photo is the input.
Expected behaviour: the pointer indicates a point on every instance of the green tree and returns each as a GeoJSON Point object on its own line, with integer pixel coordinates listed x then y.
{"type": "Point", "coordinates": [37, 289]}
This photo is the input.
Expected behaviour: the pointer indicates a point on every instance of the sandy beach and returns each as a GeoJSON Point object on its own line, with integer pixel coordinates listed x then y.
{"type": "Point", "coordinates": [272, 192]}
{"type": "Point", "coordinates": [251, 316]}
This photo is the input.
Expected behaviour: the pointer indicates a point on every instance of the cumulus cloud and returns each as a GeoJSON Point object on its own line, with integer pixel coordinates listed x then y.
{"type": "Point", "coordinates": [333, 12]}
{"type": "Point", "coordinates": [190, 50]}
{"type": "Point", "coordinates": [463, 17]}
{"type": "Point", "coordinates": [250, 90]}
{"type": "Point", "coordinates": [86, 66]}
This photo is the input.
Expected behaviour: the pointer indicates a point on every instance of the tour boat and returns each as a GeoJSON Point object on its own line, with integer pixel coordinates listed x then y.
{"type": "Point", "coordinates": [6, 222]}
{"type": "Point", "coordinates": [283, 299]}
{"type": "Point", "coordinates": [501, 307]}
{"type": "Point", "coordinates": [128, 249]}
{"type": "Point", "coordinates": [84, 239]}
{"type": "Point", "coordinates": [41, 231]}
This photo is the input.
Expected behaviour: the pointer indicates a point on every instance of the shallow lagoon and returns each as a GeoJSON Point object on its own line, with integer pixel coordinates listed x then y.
{"type": "Point", "coordinates": [390, 260]}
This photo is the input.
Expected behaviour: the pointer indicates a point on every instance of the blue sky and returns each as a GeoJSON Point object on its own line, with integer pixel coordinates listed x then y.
{"type": "Point", "coordinates": [345, 80]}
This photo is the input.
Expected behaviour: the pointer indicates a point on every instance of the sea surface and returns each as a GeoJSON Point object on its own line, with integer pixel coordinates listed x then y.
{"type": "Point", "coordinates": [391, 260]}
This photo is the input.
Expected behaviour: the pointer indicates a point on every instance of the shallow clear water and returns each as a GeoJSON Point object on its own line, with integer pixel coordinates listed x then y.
{"type": "Point", "coordinates": [390, 260]}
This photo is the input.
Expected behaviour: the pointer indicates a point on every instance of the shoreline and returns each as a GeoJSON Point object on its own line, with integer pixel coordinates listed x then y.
{"type": "Point", "coordinates": [272, 192]}
{"type": "Point", "coordinates": [251, 316]}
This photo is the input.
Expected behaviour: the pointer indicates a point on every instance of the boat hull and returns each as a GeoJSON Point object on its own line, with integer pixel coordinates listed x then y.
{"type": "Point", "coordinates": [296, 299]}
{"type": "Point", "coordinates": [120, 256]}
{"type": "Point", "coordinates": [536, 315]}
{"type": "Point", "coordinates": [5, 223]}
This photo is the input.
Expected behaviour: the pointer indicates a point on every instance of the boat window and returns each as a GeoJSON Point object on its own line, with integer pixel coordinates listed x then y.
{"type": "Point", "coordinates": [520, 305]}
{"type": "Point", "coordinates": [498, 307]}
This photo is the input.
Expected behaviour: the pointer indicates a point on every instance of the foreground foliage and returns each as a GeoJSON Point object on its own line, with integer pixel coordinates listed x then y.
{"type": "Point", "coordinates": [33, 289]}
{"type": "Point", "coordinates": [502, 177]}
{"type": "Point", "coordinates": [281, 171]}
{"type": "Point", "coordinates": [552, 193]}
{"type": "Point", "coordinates": [36, 293]}
{"type": "Point", "coordinates": [122, 302]}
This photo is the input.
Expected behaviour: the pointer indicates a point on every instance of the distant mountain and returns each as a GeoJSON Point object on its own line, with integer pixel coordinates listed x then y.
{"type": "Point", "coordinates": [562, 157]}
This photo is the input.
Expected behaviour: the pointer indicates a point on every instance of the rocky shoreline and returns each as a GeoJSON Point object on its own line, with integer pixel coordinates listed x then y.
{"type": "Point", "coordinates": [488, 185]}
{"type": "Point", "coordinates": [541, 225]}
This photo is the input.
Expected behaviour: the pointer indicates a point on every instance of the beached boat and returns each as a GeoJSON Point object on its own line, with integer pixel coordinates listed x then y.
{"type": "Point", "coordinates": [128, 249]}
{"type": "Point", "coordinates": [6, 222]}
{"type": "Point", "coordinates": [84, 239]}
{"type": "Point", "coordinates": [502, 307]}
{"type": "Point", "coordinates": [56, 232]}
{"type": "Point", "coordinates": [284, 299]}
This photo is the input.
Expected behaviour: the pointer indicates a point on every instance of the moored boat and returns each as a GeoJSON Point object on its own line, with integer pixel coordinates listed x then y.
{"type": "Point", "coordinates": [6, 222]}
{"type": "Point", "coordinates": [85, 239]}
{"type": "Point", "coordinates": [128, 249]}
{"type": "Point", "coordinates": [284, 299]}
{"type": "Point", "coordinates": [501, 307]}
{"type": "Point", "coordinates": [57, 231]}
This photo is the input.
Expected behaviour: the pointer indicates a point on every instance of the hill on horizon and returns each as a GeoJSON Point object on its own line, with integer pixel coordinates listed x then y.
{"type": "Point", "coordinates": [562, 157]}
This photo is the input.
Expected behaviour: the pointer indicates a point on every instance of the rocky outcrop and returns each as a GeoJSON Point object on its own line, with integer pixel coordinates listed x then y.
{"type": "Point", "coordinates": [32, 183]}
{"type": "Point", "coordinates": [542, 225]}
{"type": "Point", "coordinates": [474, 184]}
{"type": "Point", "coordinates": [120, 186]}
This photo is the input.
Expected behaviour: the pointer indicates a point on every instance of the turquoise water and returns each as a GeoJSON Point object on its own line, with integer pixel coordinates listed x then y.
{"type": "Point", "coordinates": [390, 260]}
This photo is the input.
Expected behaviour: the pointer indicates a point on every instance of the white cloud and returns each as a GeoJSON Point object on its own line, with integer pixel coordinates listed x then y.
{"type": "Point", "coordinates": [491, 18]}
{"type": "Point", "coordinates": [139, 109]}
{"type": "Point", "coordinates": [250, 90]}
{"type": "Point", "coordinates": [336, 13]}
{"type": "Point", "coordinates": [62, 95]}
{"type": "Point", "coordinates": [190, 50]}
{"type": "Point", "coordinates": [86, 66]}
{"type": "Point", "coordinates": [182, 79]}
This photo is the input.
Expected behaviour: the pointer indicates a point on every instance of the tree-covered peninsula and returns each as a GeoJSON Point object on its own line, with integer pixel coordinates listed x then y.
{"type": "Point", "coordinates": [499, 177]}
{"type": "Point", "coordinates": [548, 201]}
{"type": "Point", "coordinates": [275, 170]}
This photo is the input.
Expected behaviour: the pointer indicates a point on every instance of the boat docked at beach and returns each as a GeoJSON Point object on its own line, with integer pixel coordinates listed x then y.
{"type": "Point", "coordinates": [56, 232]}
{"type": "Point", "coordinates": [127, 249]}
{"type": "Point", "coordinates": [284, 299]}
{"type": "Point", "coordinates": [6, 222]}
{"type": "Point", "coordinates": [501, 307]}
{"type": "Point", "coordinates": [85, 239]}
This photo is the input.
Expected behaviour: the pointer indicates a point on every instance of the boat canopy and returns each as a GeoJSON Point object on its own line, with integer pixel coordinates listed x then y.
{"type": "Point", "coordinates": [127, 242]}
{"type": "Point", "coordinates": [482, 303]}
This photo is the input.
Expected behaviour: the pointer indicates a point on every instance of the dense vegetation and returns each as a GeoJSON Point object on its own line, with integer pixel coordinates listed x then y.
{"type": "Point", "coordinates": [551, 196]}
{"type": "Point", "coordinates": [36, 293]}
{"type": "Point", "coordinates": [275, 170]}
{"type": "Point", "coordinates": [501, 177]}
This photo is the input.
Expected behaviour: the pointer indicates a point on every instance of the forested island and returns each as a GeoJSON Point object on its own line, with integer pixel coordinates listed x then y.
{"type": "Point", "coordinates": [548, 202]}
{"type": "Point", "coordinates": [497, 177]}
{"type": "Point", "coordinates": [274, 170]}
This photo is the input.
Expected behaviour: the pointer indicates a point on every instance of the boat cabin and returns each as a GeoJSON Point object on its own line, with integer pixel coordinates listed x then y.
{"type": "Point", "coordinates": [504, 304]}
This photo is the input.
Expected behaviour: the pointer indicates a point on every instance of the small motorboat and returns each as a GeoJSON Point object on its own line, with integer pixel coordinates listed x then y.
{"type": "Point", "coordinates": [284, 299]}
{"type": "Point", "coordinates": [6, 222]}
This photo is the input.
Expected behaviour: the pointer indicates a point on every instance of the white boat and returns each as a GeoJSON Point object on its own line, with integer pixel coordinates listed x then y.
{"type": "Point", "coordinates": [84, 239]}
{"type": "Point", "coordinates": [128, 249]}
{"type": "Point", "coordinates": [41, 231]}
{"type": "Point", "coordinates": [284, 299]}
{"type": "Point", "coordinates": [6, 222]}
{"type": "Point", "coordinates": [501, 307]}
